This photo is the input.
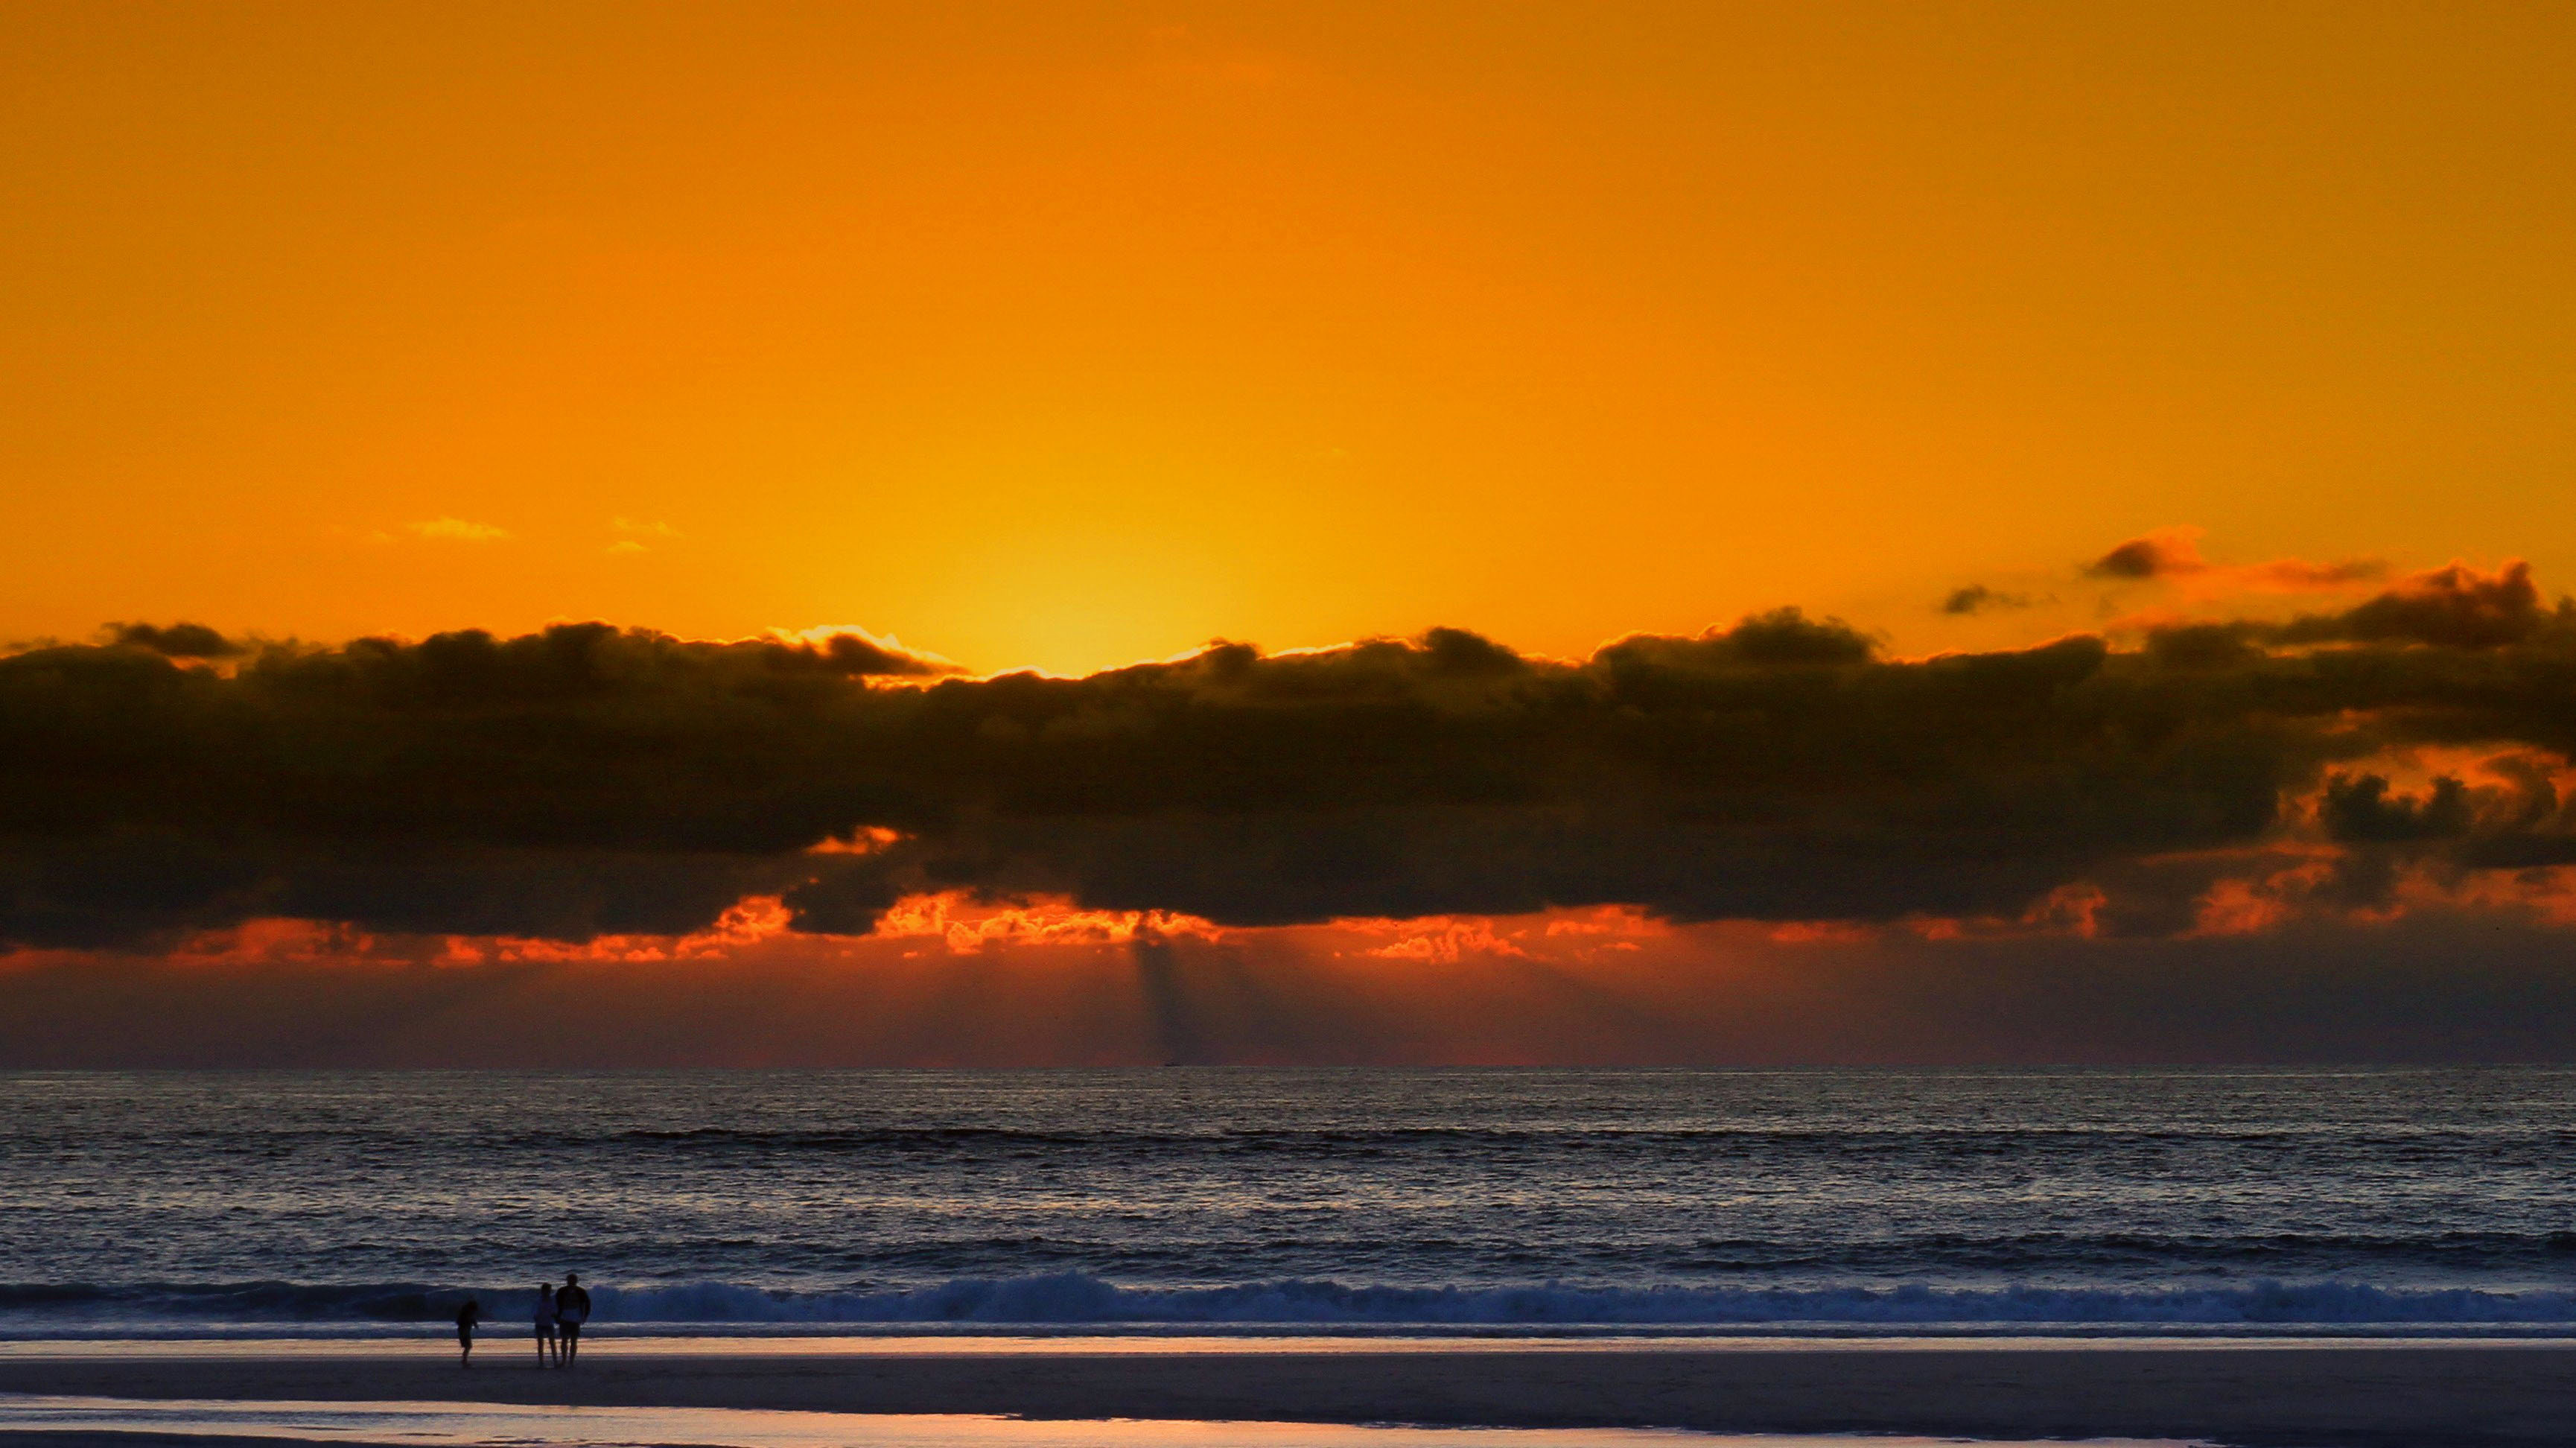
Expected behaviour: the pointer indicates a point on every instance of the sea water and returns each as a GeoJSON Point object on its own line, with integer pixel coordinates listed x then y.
{"type": "Point", "coordinates": [1294, 1201]}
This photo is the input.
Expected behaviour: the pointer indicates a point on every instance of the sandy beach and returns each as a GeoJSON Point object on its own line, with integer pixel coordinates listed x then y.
{"type": "Point", "coordinates": [2290, 1395]}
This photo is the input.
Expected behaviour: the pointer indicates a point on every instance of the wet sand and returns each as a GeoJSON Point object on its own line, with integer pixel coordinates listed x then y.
{"type": "Point", "coordinates": [2274, 1395]}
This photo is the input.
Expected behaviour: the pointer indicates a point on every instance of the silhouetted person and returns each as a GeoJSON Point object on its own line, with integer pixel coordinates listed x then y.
{"type": "Point", "coordinates": [572, 1309]}
{"type": "Point", "coordinates": [545, 1324]}
{"type": "Point", "coordinates": [466, 1316]}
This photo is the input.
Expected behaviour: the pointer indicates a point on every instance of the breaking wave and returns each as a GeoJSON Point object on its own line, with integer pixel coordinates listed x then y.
{"type": "Point", "coordinates": [1074, 1299]}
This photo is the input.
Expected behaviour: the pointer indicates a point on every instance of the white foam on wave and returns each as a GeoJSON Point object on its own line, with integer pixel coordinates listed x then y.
{"type": "Point", "coordinates": [1080, 1301]}
{"type": "Point", "coordinates": [1077, 1298]}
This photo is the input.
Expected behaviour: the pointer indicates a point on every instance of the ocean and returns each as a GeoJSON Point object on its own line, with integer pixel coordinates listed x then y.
{"type": "Point", "coordinates": [1294, 1201]}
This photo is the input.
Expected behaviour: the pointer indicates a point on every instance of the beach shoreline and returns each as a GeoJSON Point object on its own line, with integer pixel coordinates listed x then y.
{"type": "Point", "coordinates": [2277, 1394]}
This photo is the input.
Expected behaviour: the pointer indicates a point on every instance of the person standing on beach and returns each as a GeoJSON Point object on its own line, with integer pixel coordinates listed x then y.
{"type": "Point", "coordinates": [545, 1324]}
{"type": "Point", "coordinates": [466, 1316]}
{"type": "Point", "coordinates": [572, 1309]}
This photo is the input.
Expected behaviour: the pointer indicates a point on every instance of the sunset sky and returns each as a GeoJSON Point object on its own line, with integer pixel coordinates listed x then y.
{"type": "Point", "coordinates": [2162, 414]}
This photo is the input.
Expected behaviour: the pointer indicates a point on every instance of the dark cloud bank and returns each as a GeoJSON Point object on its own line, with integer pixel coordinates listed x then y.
{"type": "Point", "coordinates": [587, 780]}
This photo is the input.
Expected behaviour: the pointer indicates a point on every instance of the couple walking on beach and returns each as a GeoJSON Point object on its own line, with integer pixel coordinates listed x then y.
{"type": "Point", "coordinates": [560, 1313]}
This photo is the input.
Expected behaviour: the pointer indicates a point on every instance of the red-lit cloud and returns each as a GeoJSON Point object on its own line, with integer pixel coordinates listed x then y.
{"type": "Point", "coordinates": [2451, 980]}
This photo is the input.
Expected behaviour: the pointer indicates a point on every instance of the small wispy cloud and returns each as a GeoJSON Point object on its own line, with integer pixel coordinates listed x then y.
{"type": "Point", "coordinates": [458, 530]}
{"type": "Point", "coordinates": [2164, 553]}
{"type": "Point", "coordinates": [2172, 555]}
{"type": "Point", "coordinates": [631, 533]}
{"type": "Point", "coordinates": [1977, 598]}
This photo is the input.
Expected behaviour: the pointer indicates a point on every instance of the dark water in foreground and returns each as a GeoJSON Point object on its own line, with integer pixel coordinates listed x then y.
{"type": "Point", "coordinates": [1293, 1199]}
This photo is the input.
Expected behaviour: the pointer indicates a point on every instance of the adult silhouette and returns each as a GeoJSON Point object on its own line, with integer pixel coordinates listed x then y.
{"type": "Point", "coordinates": [545, 1324]}
{"type": "Point", "coordinates": [466, 1316]}
{"type": "Point", "coordinates": [572, 1309]}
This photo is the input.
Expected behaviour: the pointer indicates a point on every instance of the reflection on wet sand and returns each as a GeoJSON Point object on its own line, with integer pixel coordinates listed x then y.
{"type": "Point", "coordinates": [459, 1424]}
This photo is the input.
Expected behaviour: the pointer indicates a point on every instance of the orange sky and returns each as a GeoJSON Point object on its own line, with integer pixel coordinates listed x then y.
{"type": "Point", "coordinates": [1065, 335]}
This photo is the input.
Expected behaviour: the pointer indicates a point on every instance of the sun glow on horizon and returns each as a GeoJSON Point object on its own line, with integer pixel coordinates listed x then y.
{"type": "Point", "coordinates": [1063, 341]}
